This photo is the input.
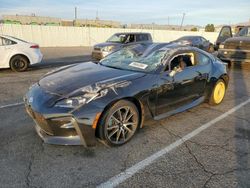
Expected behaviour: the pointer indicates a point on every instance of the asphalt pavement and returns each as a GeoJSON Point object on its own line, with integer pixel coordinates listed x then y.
{"type": "Point", "coordinates": [200, 149]}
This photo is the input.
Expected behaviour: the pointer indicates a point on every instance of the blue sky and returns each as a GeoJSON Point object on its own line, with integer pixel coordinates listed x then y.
{"type": "Point", "coordinates": [198, 12]}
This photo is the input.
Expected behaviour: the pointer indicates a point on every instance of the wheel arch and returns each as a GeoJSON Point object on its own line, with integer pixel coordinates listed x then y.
{"type": "Point", "coordinates": [212, 83]}
{"type": "Point", "coordinates": [225, 78]}
{"type": "Point", "coordinates": [20, 54]}
{"type": "Point", "coordinates": [134, 100]}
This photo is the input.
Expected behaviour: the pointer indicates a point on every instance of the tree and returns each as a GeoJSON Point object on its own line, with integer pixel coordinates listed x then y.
{"type": "Point", "coordinates": [194, 29]}
{"type": "Point", "coordinates": [209, 28]}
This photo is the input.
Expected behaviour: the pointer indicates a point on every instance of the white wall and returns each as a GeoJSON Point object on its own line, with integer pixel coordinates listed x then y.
{"type": "Point", "coordinates": [52, 36]}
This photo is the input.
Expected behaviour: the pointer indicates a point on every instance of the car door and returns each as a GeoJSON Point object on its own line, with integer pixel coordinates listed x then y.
{"type": "Point", "coordinates": [4, 53]}
{"type": "Point", "coordinates": [181, 89]}
{"type": "Point", "coordinates": [225, 33]}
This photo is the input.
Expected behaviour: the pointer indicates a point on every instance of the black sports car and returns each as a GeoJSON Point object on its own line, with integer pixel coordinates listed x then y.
{"type": "Point", "coordinates": [78, 103]}
{"type": "Point", "coordinates": [196, 41]}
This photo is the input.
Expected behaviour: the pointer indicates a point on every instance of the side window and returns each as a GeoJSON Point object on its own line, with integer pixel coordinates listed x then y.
{"type": "Point", "coordinates": [202, 59]}
{"type": "Point", "coordinates": [245, 32]}
{"type": "Point", "coordinates": [142, 37]}
{"type": "Point", "coordinates": [225, 32]}
{"type": "Point", "coordinates": [181, 61]}
{"type": "Point", "coordinates": [199, 40]}
{"type": "Point", "coordinates": [6, 42]}
{"type": "Point", "coordinates": [131, 38]}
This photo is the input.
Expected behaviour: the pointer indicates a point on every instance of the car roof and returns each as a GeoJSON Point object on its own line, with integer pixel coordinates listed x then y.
{"type": "Point", "coordinates": [176, 46]}
{"type": "Point", "coordinates": [6, 36]}
{"type": "Point", "coordinates": [10, 37]}
{"type": "Point", "coordinates": [14, 39]}
{"type": "Point", "coordinates": [128, 33]}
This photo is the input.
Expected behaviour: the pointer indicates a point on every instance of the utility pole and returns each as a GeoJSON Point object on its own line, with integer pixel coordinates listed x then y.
{"type": "Point", "coordinates": [183, 16]}
{"type": "Point", "coordinates": [97, 19]}
{"type": "Point", "coordinates": [75, 13]}
{"type": "Point", "coordinates": [74, 22]}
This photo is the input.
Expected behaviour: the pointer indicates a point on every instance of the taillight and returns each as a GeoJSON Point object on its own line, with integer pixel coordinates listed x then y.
{"type": "Point", "coordinates": [34, 46]}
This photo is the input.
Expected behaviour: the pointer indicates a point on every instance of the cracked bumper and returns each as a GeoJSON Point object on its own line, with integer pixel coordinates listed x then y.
{"type": "Point", "coordinates": [62, 130]}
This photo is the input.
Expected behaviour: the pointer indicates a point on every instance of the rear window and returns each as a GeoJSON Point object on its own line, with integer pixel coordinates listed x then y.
{"type": "Point", "coordinates": [244, 32]}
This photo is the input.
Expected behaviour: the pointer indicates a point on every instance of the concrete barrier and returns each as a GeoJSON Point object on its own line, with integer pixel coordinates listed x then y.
{"type": "Point", "coordinates": [60, 36]}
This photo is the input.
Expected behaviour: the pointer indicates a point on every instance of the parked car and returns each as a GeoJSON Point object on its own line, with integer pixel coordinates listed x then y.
{"type": "Point", "coordinates": [235, 48]}
{"type": "Point", "coordinates": [196, 41]}
{"type": "Point", "coordinates": [18, 54]}
{"type": "Point", "coordinates": [75, 104]}
{"type": "Point", "coordinates": [118, 41]}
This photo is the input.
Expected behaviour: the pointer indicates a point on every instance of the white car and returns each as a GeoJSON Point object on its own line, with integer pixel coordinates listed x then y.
{"type": "Point", "coordinates": [18, 54]}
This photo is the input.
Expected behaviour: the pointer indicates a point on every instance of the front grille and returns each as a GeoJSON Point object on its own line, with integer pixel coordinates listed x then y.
{"type": "Point", "coordinates": [241, 55]}
{"type": "Point", "coordinates": [239, 46]}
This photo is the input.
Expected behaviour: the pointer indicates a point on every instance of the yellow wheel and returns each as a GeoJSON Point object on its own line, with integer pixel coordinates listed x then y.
{"type": "Point", "coordinates": [218, 93]}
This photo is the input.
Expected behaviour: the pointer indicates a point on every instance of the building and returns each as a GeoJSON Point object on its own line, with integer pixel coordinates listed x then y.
{"type": "Point", "coordinates": [30, 20]}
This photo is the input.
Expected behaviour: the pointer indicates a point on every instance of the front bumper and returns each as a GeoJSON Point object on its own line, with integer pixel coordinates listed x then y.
{"type": "Point", "coordinates": [51, 128]}
{"type": "Point", "coordinates": [234, 55]}
{"type": "Point", "coordinates": [58, 140]}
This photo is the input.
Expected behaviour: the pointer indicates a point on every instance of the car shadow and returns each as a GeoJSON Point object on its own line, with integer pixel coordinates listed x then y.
{"type": "Point", "coordinates": [53, 63]}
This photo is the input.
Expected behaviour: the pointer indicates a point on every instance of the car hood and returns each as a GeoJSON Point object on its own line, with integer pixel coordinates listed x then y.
{"type": "Point", "coordinates": [238, 43]}
{"type": "Point", "coordinates": [101, 45]}
{"type": "Point", "coordinates": [67, 80]}
{"type": "Point", "coordinates": [238, 39]}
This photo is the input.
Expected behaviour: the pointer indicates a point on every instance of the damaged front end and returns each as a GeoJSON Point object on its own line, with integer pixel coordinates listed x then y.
{"type": "Point", "coordinates": [89, 93]}
{"type": "Point", "coordinates": [70, 119]}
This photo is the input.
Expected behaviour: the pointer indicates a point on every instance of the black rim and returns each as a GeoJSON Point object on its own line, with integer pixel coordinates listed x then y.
{"type": "Point", "coordinates": [19, 64]}
{"type": "Point", "coordinates": [122, 125]}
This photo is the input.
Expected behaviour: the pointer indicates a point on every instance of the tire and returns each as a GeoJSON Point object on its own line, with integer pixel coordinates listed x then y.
{"type": "Point", "coordinates": [218, 93]}
{"type": "Point", "coordinates": [119, 123]}
{"type": "Point", "coordinates": [19, 63]}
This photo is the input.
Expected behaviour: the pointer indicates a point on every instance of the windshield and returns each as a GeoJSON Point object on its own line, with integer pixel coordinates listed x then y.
{"type": "Point", "coordinates": [245, 32]}
{"type": "Point", "coordinates": [118, 38]}
{"type": "Point", "coordinates": [130, 59]}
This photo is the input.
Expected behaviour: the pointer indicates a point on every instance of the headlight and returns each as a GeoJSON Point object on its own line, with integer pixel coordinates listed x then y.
{"type": "Point", "coordinates": [77, 101]}
{"type": "Point", "coordinates": [88, 96]}
{"type": "Point", "coordinates": [108, 48]}
{"type": "Point", "coordinates": [221, 46]}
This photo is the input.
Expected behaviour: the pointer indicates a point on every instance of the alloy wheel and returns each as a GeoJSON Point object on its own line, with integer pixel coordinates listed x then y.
{"type": "Point", "coordinates": [122, 125]}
